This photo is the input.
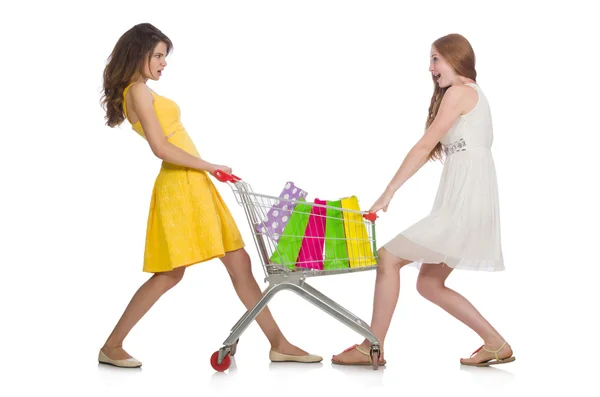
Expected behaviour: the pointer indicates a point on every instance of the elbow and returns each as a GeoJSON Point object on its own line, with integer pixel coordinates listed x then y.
{"type": "Point", "coordinates": [159, 151]}
{"type": "Point", "coordinates": [424, 148]}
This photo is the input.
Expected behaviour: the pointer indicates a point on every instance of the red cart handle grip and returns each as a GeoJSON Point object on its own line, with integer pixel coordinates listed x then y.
{"type": "Point", "coordinates": [370, 216]}
{"type": "Point", "coordinates": [225, 177]}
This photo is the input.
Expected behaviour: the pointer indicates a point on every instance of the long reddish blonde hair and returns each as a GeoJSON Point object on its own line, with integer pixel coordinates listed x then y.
{"type": "Point", "coordinates": [459, 54]}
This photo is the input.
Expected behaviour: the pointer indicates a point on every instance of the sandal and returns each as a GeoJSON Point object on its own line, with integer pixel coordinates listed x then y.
{"type": "Point", "coordinates": [355, 347]}
{"type": "Point", "coordinates": [489, 362]}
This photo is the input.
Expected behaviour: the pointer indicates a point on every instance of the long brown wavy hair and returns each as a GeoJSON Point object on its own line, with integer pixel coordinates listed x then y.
{"type": "Point", "coordinates": [459, 54]}
{"type": "Point", "coordinates": [133, 49]}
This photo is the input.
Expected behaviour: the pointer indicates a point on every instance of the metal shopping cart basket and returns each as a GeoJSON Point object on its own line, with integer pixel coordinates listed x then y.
{"type": "Point", "coordinates": [285, 274]}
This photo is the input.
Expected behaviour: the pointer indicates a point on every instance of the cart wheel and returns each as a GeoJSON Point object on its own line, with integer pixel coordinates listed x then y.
{"type": "Point", "coordinates": [214, 361]}
{"type": "Point", "coordinates": [234, 347]}
{"type": "Point", "coordinates": [375, 358]}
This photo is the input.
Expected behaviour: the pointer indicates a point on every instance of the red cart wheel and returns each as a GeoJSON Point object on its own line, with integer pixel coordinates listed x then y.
{"type": "Point", "coordinates": [214, 361]}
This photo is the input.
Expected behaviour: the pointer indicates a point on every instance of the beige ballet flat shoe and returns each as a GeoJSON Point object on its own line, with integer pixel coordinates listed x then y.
{"type": "Point", "coordinates": [127, 363]}
{"type": "Point", "coordinates": [277, 357]}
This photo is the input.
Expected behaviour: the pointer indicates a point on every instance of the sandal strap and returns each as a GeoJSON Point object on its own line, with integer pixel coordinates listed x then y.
{"type": "Point", "coordinates": [495, 351]}
{"type": "Point", "coordinates": [363, 352]}
{"type": "Point", "coordinates": [477, 351]}
{"type": "Point", "coordinates": [351, 348]}
{"type": "Point", "coordinates": [357, 348]}
{"type": "Point", "coordinates": [380, 359]}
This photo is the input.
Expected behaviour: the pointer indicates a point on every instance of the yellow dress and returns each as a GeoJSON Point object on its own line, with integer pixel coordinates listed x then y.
{"type": "Point", "coordinates": [188, 221]}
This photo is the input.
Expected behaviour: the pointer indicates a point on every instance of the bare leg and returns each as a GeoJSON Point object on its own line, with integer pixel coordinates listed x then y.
{"type": "Point", "coordinates": [387, 290]}
{"type": "Point", "coordinates": [238, 266]}
{"type": "Point", "coordinates": [431, 285]}
{"type": "Point", "coordinates": [145, 297]}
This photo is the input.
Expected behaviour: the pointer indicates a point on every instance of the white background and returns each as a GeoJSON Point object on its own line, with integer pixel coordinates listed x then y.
{"type": "Point", "coordinates": [330, 95]}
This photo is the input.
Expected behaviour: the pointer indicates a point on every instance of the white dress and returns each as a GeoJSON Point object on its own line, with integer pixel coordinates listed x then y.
{"type": "Point", "coordinates": [463, 228]}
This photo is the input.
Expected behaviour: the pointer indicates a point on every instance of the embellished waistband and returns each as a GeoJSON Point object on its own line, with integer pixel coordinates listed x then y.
{"type": "Point", "coordinates": [456, 146]}
{"type": "Point", "coordinates": [460, 145]}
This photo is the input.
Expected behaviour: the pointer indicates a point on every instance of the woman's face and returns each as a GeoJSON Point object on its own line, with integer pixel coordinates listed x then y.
{"type": "Point", "coordinates": [440, 69]}
{"type": "Point", "coordinates": [153, 68]}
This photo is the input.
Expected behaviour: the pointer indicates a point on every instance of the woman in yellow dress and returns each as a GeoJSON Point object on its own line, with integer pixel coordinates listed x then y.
{"type": "Point", "coordinates": [188, 221]}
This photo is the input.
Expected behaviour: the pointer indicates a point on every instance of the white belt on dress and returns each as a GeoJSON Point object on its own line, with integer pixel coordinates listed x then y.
{"type": "Point", "coordinates": [459, 146]}
{"type": "Point", "coordinates": [456, 146]}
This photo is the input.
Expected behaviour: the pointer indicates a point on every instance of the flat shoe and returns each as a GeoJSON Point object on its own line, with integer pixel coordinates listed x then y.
{"type": "Point", "coordinates": [277, 357]}
{"type": "Point", "coordinates": [127, 363]}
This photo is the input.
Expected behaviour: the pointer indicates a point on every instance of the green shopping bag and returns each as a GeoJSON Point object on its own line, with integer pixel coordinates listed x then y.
{"type": "Point", "coordinates": [336, 251]}
{"type": "Point", "coordinates": [290, 241]}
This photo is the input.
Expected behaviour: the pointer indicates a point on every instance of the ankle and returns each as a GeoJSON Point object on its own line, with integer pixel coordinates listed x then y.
{"type": "Point", "coordinates": [365, 345]}
{"type": "Point", "coordinates": [495, 343]}
{"type": "Point", "coordinates": [279, 343]}
{"type": "Point", "coordinates": [112, 346]}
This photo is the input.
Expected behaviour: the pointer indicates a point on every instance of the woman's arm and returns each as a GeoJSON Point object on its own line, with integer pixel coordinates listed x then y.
{"type": "Point", "coordinates": [451, 108]}
{"type": "Point", "coordinates": [141, 103]}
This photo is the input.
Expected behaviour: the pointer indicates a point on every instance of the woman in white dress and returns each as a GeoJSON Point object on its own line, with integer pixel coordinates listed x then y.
{"type": "Point", "coordinates": [463, 229]}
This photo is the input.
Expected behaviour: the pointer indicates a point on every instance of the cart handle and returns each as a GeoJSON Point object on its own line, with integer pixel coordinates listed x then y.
{"type": "Point", "coordinates": [225, 177]}
{"type": "Point", "coordinates": [371, 216]}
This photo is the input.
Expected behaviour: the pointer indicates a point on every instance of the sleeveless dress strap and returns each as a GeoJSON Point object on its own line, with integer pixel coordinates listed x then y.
{"type": "Point", "coordinates": [124, 101]}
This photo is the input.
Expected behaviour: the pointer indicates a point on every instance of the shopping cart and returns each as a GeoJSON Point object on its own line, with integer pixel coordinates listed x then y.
{"type": "Point", "coordinates": [284, 274]}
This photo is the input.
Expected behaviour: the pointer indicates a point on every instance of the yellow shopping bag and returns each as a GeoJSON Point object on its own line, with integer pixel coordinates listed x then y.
{"type": "Point", "coordinates": [360, 253]}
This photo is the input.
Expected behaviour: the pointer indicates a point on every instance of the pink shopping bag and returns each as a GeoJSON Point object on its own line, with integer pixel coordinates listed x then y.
{"type": "Point", "coordinates": [311, 251]}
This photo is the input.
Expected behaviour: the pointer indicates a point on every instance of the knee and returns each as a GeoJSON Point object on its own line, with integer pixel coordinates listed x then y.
{"type": "Point", "coordinates": [241, 267]}
{"type": "Point", "coordinates": [429, 288]}
{"type": "Point", "coordinates": [170, 279]}
{"type": "Point", "coordinates": [385, 268]}
{"type": "Point", "coordinates": [389, 263]}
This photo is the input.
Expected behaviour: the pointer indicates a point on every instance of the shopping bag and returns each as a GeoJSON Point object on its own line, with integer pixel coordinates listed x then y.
{"type": "Point", "coordinates": [311, 251]}
{"type": "Point", "coordinates": [359, 247]}
{"type": "Point", "coordinates": [286, 251]}
{"type": "Point", "coordinates": [336, 252]}
{"type": "Point", "coordinates": [278, 215]}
